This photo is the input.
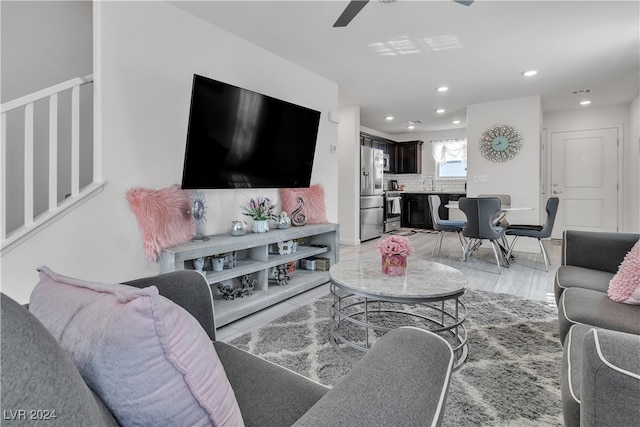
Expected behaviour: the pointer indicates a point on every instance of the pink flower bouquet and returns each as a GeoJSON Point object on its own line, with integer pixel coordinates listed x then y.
{"type": "Point", "coordinates": [395, 245]}
{"type": "Point", "coordinates": [394, 251]}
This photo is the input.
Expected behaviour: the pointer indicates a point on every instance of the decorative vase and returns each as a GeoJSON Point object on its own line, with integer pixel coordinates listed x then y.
{"type": "Point", "coordinates": [217, 264]}
{"type": "Point", "coordinates": [198, 264]}
{"type": "Point", "coordinates": [394, 265]}
{"type": "Point", "coordinates": [260, 226]}
{"type": "Point", "coordinates": [283, 221]}
{"type": "Point", "coordinates": [239, 228]}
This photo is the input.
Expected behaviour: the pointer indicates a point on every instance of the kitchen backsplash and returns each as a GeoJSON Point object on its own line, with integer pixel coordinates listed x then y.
{"type": "Point", "coordinates": [415, 182]}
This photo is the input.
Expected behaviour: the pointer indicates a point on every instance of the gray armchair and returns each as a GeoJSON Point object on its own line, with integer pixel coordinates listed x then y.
{"type": "Point", "coordinates": [402, 380]}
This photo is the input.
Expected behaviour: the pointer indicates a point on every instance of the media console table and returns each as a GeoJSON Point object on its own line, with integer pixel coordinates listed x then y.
{"type": "Point", "coordinates": [254, 255]}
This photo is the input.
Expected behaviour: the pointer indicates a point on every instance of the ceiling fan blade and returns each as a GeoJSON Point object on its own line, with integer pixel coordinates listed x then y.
{"type": "Point", "coordinates": [350, 12]}
{"type": "Point", "coordinates": [464, 2]}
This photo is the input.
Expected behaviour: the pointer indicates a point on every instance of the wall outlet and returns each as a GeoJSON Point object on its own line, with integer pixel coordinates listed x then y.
{"type": "Point", "coordinates": [481, 178]}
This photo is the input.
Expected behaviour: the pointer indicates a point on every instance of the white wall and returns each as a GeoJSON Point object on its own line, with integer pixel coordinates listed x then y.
{"type": "Point", "coordinates": [633, 178]}
{"type": "Point", "coordinates": [45, 43]}
{"type": "Point", "coordinates": [519, 177]}
{"type": "Point", "coordinates": [145, 56]}
{"type": "Point", "coordinates": [612, 116]}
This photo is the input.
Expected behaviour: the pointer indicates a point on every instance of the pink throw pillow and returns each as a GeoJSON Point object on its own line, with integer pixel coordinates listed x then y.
{"type": "Point", "coordinates": [625, 285]}
{"type": "Point", "coordinates": [314, 207]}
{"type": "Point", "coordinates": [147, 358]}
{"type": "Point", "coordinates": [164, 216]}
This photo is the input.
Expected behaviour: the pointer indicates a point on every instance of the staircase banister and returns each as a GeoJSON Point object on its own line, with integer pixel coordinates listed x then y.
{"type": "Point", "coordinates": [45, 93]}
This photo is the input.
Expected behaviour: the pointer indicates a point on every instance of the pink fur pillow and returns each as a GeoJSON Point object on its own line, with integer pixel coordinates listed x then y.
{"type": "Point", "coordinates": [625, 285]}
{"type": "Point", "coordinates": [314, 208]}
{"type": "Point", "coordinates": [164, 217]}
{"type": "Point", "coordinates": [147, 358]}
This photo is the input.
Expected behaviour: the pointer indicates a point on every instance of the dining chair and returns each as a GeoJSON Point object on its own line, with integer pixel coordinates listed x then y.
{"type": "Point", "coordinates": [536, 231]}
{"type": "Point", "coordinates": [505, 202]}
{"type": "Point", "coordinates": [443, 225]}
{"type": "Point", "coordinates": [480, 213]}
{"type": "Point", "coordinates": [505, 199]}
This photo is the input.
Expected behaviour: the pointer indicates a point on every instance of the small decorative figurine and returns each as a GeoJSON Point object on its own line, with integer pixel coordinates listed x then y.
{"type": "Point", "coordinates": [283, 221]}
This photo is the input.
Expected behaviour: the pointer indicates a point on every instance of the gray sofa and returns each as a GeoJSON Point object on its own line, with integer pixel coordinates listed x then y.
{"type": "Point", "coordinates": [402, 380]}
{"type": "Point", "coordinates": [600, 381]}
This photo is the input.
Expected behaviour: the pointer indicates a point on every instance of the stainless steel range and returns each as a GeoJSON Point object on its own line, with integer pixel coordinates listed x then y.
{"type": "Point", "coordinates": [392, 210]}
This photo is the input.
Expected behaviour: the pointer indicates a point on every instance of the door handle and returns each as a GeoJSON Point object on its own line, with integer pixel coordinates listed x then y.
{"type": "Point", "coordinates": [557, 191]}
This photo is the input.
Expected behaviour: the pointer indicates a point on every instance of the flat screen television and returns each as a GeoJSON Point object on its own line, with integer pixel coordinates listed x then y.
{"type": "Point", "coordinates": [238, 138]}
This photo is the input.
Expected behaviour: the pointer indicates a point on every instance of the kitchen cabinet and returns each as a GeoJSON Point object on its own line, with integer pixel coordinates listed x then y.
{"type": "Point", "coordinates": [387, 146]}
{"type": "Point", "coordinates": [416, 212]}
{"type": "Point", "coordinates": [409, 157]}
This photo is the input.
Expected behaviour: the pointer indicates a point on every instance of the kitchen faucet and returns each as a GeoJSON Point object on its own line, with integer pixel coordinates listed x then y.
{"type": "Point", "coordinates": [433, 183]}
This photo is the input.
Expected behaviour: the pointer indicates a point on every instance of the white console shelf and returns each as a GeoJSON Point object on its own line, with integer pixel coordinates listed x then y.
{"type": "Point", "coordinates": [255, 256]}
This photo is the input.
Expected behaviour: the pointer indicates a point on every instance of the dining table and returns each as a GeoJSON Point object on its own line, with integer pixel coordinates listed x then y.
{"type": "Point", "coordinates": [500, 219]}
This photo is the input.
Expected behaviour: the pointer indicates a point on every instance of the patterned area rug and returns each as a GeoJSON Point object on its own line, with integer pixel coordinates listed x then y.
{"type": "Point", "coordinates": [511, 376]}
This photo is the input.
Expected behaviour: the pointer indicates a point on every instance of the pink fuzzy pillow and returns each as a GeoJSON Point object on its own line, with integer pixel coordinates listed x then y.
{"type": "Point", "coordinates": [314, 208]}
{"type": "Point", "coordinates": [147, 358]}
{"type": "Point", "coordinates": [625, 285]}
{"type": "Point", "coordinates": [164, 216]}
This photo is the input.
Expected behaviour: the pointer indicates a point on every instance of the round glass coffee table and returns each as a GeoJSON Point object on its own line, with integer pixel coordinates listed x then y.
{"type": "Point", "coordinates": [368, 303]}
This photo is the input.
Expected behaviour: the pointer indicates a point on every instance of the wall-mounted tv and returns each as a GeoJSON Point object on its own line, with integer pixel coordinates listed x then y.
{"type": "Point", "coordinates": [238, 138]}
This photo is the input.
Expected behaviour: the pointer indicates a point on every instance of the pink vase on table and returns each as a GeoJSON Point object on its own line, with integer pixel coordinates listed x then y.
{"type": "Point", "coordinates": [394, 265]}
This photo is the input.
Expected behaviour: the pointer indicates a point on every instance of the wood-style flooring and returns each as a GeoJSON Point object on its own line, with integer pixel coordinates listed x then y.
{"type": "Point", "coordinates": [526, 277]}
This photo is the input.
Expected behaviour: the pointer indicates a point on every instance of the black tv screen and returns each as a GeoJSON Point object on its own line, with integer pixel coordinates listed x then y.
{"type": "Point", "coordinates": [238, 138]}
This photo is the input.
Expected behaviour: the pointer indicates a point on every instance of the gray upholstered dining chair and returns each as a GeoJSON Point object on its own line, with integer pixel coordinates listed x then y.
{"type": "Point", "coordinates": [505, 199]}
{"type": "Point", "coordinates": [480, 226]}
{"type": "Point", "coordinates": [444, 225]}
{"type": "Point", "coordinates": [500, 218]}
{"type": "Point", "coordinates": [536, 231]}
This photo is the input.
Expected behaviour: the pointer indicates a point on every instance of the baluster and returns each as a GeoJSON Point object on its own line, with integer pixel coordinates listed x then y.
{"type": "Point", "coordinates": [28, 164]}
{"type": "Point", "coordinates": [3, 178]}
{"type": "Point", "coordinates": [53, 152]}
{"type": "Point", "coordinates": [75, 140]}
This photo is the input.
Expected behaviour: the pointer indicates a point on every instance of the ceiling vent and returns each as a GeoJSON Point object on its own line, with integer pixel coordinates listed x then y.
{"type": "Point", "coordinates": [415, 122]}
{"type": "Point", "coordinates": [580, 91]}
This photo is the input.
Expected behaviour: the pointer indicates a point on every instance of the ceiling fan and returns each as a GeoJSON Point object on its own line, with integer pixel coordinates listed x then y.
{"type": "Point", "coordinates": [355, 6]}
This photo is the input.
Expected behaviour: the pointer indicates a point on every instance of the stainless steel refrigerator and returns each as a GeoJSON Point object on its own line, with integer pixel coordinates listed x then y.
{"type": "Point", "coordinates": [371, 193]}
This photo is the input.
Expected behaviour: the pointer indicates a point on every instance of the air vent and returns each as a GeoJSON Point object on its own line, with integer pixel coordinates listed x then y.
{"type": "Point", "coordinates": [580, 91]}
{"type": "Point", "coordinates": [415, 122]}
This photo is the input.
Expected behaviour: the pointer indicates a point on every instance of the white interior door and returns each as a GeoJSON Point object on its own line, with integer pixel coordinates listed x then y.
{"type": "Point", "coordinates": [584, 175]}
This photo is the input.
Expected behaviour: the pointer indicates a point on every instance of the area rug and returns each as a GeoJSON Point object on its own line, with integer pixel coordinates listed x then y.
{"type": "Point", "coordinates": [511, 376]}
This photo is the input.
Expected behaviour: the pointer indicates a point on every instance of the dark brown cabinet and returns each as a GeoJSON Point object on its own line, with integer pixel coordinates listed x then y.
{"type": "Point", "coordinates": [415, 211]}
{"type": "Point", "coordinates": [401, 157]}
{"type": "Point", "coordinates": [409, 157]}
{"type": "Point", "coordinates": [387, 146]}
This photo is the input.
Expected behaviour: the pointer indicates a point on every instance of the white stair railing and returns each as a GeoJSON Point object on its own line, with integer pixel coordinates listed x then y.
{"type": "Point", "coordinates": [10, 238]}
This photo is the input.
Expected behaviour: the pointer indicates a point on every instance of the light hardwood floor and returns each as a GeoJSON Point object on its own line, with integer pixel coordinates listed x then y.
{"type": "Point", "coordinates": [526, 277]}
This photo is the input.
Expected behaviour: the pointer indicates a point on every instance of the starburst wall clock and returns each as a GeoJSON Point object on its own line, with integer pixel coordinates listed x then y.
{"type": "Point", "coordinates": [500, 143]}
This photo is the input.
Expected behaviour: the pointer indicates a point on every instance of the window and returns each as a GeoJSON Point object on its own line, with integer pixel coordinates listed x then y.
{"type": "Point", "coordinates": [450, 157]}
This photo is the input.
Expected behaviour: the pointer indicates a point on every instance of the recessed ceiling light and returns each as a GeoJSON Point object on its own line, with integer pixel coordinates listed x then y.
{"type": "Point", "coordinates": [440, 110]}
{"type": "Point", "coordinates": [529, 73]}
{"type": "Point", "coordinates": [456, 122]}
{"type": "Point", "coordinates": [585, 102]}
{"type": "Point", "coordinates": [389, 118]}
{"type": "Point", "coordinates": [442, 89]}
{"type": "Point", "coordinates": [411, 127]}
